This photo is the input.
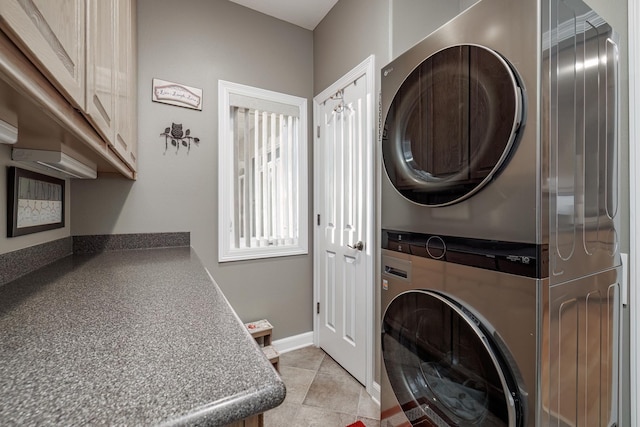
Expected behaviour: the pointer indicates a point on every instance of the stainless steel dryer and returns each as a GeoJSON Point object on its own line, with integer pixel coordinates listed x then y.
{"type": "Point", "coordinates": [500, 216]}
{"type": "Point", "coordinates": [459, 141]}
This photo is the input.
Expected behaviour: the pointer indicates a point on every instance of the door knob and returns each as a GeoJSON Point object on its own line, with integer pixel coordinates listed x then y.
{"type": "Point", "coordinates": [358, 246]}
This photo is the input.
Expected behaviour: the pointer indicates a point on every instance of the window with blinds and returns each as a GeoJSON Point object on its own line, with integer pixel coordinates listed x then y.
{"type": "Point", "coordinates": [262, 173]}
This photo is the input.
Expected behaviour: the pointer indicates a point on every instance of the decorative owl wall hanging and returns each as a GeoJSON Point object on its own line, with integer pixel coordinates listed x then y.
{"type": "Point", "coordinates": [178, 137]}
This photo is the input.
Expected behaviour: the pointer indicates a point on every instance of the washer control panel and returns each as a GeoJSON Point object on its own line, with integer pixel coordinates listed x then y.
{"type": "Point", "coordinates": [523, 259]}
{"type": "Point", "coordinates": [436, 248]}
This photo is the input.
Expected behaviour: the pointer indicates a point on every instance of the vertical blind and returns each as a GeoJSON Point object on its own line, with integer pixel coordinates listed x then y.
{"type": "Point", "coordinates": [265, 139]}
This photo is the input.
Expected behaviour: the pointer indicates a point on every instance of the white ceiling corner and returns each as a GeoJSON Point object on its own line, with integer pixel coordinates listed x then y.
{"type": "Point", "coordinates": [304, 13]}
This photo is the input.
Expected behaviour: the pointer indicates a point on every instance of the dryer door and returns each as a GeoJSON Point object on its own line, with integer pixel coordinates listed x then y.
{"type": "Point", "coordinates": [443, 366]}
{"type": "Point", "coordinates": [451, 125]}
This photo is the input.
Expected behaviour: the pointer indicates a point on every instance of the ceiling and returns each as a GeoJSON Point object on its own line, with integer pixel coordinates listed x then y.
{"type": "Point", "coordinates": [304, 13]}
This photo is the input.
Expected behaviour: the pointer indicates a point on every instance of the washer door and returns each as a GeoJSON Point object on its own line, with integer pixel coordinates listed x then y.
{"type": "Point", "coordinates": [443, 368]}
{"type": "Point", "coordinates": [451, 125]}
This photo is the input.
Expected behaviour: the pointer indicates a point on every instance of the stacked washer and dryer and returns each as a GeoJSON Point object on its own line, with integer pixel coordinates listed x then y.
{"type": "Point", "coordinates": [501, 267]}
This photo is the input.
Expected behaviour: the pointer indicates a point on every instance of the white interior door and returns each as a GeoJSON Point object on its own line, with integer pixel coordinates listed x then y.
{"type": "Point", "coordinates": [344, 246]}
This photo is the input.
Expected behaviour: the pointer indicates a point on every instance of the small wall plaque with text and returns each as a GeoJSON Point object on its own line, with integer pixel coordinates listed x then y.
{"type": "Point", "coordinates": [177, 94]}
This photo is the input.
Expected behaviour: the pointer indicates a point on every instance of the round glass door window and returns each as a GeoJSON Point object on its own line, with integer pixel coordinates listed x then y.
{"type": "Point", "coordinates": [452, 125]}
{"type": "Point", "coordinates": [443, 368]}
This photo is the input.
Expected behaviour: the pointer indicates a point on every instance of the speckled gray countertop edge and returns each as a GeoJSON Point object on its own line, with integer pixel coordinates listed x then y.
{"type": "Point", "coordinates": [240, 406]}
{"type": "Point", "coordinates": [67, 310]}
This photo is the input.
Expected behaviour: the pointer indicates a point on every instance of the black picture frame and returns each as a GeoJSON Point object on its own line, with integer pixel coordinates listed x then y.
{"type": "Point", "coordinates": [35, 202]}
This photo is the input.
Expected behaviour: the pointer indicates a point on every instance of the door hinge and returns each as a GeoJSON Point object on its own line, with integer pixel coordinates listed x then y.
{"type": "Point", "coordinates": [318, 131]}
{"type": "Point", "coordinates": [317, 308]}
{"type": "Point", "coordinates": [318, 219]}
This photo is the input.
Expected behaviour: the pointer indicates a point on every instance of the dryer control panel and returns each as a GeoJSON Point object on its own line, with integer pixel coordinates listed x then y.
{"type": "Point", "coordinates": [522, 259]}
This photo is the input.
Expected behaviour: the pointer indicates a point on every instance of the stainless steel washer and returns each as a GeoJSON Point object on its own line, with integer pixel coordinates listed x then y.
{"type": "Point", "coordinates": [470, 346]}
{"type": "Point", "coordinates": [458, 342]}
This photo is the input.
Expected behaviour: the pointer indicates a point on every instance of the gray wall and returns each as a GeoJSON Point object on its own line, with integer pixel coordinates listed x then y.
{"type": "Point", "coordinates": [351, 31]}
{"type": "Point", "coordinates": [15, 243]}
{"type": "Point", "coordinates": [197, 42]}
{"type": "Point", "coordinates": [413, 20]}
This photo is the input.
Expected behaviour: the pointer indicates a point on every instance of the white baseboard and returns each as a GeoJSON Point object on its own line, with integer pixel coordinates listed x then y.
{"type": "Point", "coordinates": [375, 392]}
{"type": "Point", "coordinates": [293, 343]}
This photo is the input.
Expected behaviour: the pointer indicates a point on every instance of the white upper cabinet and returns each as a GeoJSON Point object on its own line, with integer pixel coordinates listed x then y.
{"type": "Point", "coordinates": [52, 34]}
{"type": "Point", "coordinates": [126, 110]}
{"type": "Point", "coordinates": [111, 74]}
{"type": "Point", "coordinates": [87, 50]}
{"type": "Point", "coordinates": [101, 66]}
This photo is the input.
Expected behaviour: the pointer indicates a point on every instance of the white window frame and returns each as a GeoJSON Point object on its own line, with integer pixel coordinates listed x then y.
{"type": "Point", "coordinates": [227, 181]}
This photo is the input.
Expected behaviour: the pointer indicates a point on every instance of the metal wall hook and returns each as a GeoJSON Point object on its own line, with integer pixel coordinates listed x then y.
{"type": "Point", "coordinates": [338, 96]}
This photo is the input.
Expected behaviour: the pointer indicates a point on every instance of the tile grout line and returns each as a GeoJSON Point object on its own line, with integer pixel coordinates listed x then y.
{"type": "Point", "coordinates": [358, 407]}
{"type": "Point", "coordinates": [317, 372]}
{"type": "Point", "coordinates": [315, 375]}
{"type": "Point", "coordinates": [301, 408]}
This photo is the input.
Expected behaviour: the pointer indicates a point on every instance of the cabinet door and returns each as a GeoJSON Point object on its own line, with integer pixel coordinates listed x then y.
{"type": "Point", "coordinates": [126, 118]}
{"type": "Point", "coordinates": [101, 57]}
{"type": "Point", "coordinates": [52, 34]}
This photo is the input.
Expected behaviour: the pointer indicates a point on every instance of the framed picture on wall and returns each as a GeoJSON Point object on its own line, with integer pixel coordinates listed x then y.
{"type": "Point", "coordinates": [35, 202]}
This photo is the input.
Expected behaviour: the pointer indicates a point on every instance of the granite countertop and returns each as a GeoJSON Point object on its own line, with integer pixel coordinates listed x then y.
{"type": "Point", "coordinates": [129, 337]}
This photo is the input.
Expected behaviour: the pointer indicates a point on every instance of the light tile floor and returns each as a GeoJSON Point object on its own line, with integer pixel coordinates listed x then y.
{"type": "Point", "coordinates": [320, 394]}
